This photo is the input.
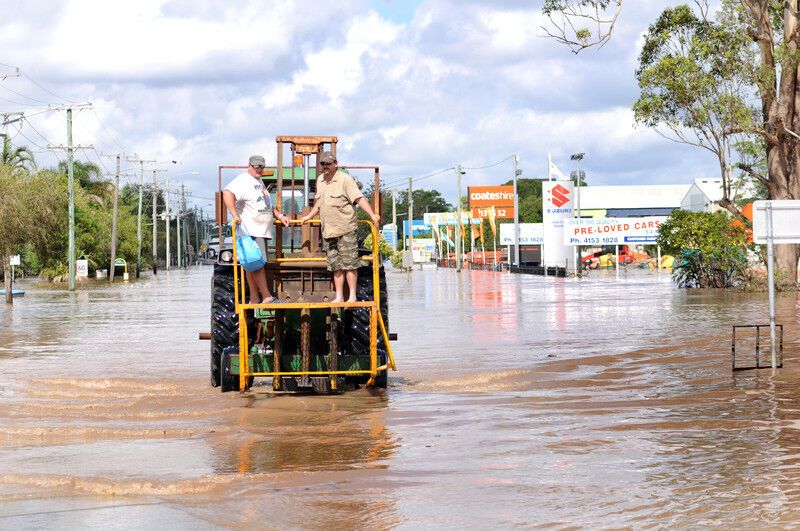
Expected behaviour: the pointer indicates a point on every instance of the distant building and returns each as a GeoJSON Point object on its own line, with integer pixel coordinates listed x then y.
{"type": "Point", "coordinates": [703, 196]}
{"type": "Point", "coordinates": [631, 200]}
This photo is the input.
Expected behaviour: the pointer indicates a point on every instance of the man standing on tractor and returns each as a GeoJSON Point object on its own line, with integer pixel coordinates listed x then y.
{"type": "Point", "coordinates": [336, 197]}
{"type": "Point", "coordinates": [249, 202]}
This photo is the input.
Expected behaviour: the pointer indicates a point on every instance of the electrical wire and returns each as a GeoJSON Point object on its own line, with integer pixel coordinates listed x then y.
{"type": "Point", "coordinates": [490, 165]}
{"type": "Point", "coordinates": [2, 85]}
{"type": "Point", "coordinates": [42, 87]}
{"type": "Point", "coordinates": [25, 119]}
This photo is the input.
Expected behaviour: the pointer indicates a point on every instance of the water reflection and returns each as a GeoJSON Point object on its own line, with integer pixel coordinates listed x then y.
{"type": "Point", "coordinates": [520, 401]}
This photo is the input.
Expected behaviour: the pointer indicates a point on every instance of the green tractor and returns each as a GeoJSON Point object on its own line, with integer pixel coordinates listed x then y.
{"type": "Point", "coordinates": [303, 342]}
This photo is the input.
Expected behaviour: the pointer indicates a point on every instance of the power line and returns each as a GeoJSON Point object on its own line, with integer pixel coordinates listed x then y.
{"type": "Point", "coordinates": [43, 88]}
{"type": "Point", "coordinates": [391, 184]}
{"type": "Point", "coordinates": [489, 165]}
{"type": "Point", "coordinates": [23, 95]}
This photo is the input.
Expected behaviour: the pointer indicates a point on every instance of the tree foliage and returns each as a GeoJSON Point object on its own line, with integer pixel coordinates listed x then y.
{"type": "Point", "coordinates": [772, 28]}
{"type": "Point", "coordinates": [693, 85]}
{"type": "Point", "coordinates": [17, 158]}
{"type": "Point", "coordinates": [581, 24]}
{"type": "Point", "coordinates": [710, 251]}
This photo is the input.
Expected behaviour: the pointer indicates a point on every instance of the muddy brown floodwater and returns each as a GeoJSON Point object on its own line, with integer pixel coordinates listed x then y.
{"type": "Point", "coordinates": [519, 401]}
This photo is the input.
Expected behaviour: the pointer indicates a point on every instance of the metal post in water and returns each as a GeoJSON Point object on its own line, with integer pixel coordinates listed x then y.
{"type": "Point", "coordinates": [517, 173]}
{"type": "Point", "coordinates": [658, 249]}
{"type": "Point", "coordinates": [771, 284]}
{"type": "Point", "coordinates": [617, 251]}
{"type": "Point", "coordinates": [459, 240]}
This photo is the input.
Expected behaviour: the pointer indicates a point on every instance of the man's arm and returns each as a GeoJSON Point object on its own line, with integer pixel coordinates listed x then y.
{"type": "Point", "coordinates": [280, 216]}
{"type": "Point", "coordinates": [363, 203]}
{"type": "Point", "coordinates": [314, 211]}
{"type": "Point", "coordinates": [230, 203]}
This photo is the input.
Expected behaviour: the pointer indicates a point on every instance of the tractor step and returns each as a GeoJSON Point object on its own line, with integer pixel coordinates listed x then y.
{"type": "Point", "coordinates": [316, 384]}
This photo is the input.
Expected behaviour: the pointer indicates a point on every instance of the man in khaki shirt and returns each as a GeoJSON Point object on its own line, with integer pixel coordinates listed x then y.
{"type": "Point", "coordinates": [336, 197]}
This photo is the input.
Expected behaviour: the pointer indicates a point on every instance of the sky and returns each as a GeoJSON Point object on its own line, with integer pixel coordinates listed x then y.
{"type": "Point", "coordinates": [414, 87]}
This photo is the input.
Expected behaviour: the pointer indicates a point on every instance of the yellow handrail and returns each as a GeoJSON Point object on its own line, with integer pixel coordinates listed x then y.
{"type": "Point", "coordinates": [376, 319]}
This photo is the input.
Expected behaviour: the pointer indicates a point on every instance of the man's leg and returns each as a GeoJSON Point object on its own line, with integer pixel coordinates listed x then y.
{"type": "Point", "coordinates": [338, 284]}
{"type": "Point", "coordinates": [348, 249]}
{"type": "Point", "coordinates": [352, 279]}
{"type": "Point", "coordinates": [260, 278]}
{"type": "Point", "coordinates": [255, 296]}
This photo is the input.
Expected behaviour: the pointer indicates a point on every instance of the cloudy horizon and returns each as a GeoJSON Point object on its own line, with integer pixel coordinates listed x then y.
{"type": "Point", "coordinates": [414, 87]}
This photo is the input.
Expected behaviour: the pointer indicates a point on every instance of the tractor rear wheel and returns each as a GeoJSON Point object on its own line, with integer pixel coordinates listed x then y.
{"type": "Point", "coordinates": [224, 320]}
{"type": "Point", "coordinates": [356, 322]}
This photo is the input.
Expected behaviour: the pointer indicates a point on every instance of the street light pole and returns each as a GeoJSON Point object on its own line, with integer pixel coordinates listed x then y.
{"type": "Point", "coordinates": [578, 157]}
{"type": "Point", "coordinates": [517, 173]}
{"type": "Point", "coordinates": [459, 243]}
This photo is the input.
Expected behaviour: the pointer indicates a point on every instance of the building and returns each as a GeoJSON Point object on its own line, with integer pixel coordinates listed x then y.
{"type": "Point", "coordinates": [631, 200]}
{"type": "Point", "coordinates": [703, 196]}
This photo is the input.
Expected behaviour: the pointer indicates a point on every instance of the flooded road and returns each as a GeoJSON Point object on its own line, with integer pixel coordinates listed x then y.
{"type": "Point", "coordinates": [519, 401]}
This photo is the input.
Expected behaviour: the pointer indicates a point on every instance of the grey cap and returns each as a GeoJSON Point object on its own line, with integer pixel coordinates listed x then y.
{"type": "Point", "coordinates": [327, 156]}
{"type": "Point", "coordinates": [257, 160]}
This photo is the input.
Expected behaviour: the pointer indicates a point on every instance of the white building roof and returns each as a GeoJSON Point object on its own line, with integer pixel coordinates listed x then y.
{"type": "Point", "coordinates": [703, 195]}
{"type": "Point", "coordinates": [633, 196]}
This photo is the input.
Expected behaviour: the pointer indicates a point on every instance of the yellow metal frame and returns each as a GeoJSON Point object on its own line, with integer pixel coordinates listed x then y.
{"type": "Point", "coordinates": [375, 317]}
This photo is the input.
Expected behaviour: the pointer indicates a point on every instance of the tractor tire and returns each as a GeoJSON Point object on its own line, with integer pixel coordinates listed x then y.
{"type": "Point", "coordinates": [356, 323]}
{"type": "Point", "coordinates": [228, 382]}
{"type": "Point", "coordinates": [224, 320]}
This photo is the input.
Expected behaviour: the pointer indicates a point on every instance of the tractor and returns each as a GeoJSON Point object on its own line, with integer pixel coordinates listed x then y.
{"type": "Point", "coordinates": [304, 342]}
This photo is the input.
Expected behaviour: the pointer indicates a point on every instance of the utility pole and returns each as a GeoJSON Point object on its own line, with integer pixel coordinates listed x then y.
{"type": "Point", "coordinates": [178, 240]}
{"type": "Point", "coordinates": [517, 173]}
{"type": "Point", "coordinates": [139, 214]}
{"type": "Point", "coordinates": [394, 217]}
{"type": "Point", "coordinates": [196, 237]}
{"type": "Point", "coordinates": [459, 243]}
{"type": "Point", "coordinates": [155, 225]}
{"type": "Point", "coordinates": [577, 157]}
{"type": "Point", "coordinates": [71, 188]}
{"type": "Point", "coordinates": [411, 221]}
{"type": "Point", "coordinates": [167, 217]}
{"type": "Point", "coordinates": [114, 224]}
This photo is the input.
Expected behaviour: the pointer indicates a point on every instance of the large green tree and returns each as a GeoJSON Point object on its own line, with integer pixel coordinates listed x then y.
{"type": "Point", "coordinates": [29, 213]}
{"type": "Point", "coordinates": [773, 27]}
{"type": "Point", "coordinates": [694, 89]}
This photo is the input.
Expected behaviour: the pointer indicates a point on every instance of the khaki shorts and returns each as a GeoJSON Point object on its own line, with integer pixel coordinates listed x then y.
{"type": "Point", "coordinates": [342, 252]}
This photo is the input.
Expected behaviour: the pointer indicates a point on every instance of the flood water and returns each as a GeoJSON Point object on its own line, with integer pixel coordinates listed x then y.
{"type": "Point", "coordinates": [519, 401]}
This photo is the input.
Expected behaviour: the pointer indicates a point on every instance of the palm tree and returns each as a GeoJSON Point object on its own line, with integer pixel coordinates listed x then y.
{"type": "Point", "coordinates": [89, 176]}
{"type": "Point", "coordinates": [17, 158]}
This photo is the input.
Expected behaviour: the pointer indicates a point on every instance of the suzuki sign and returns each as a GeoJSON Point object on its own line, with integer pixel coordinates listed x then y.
{"type": "Point", "coordinates": [556, 209]}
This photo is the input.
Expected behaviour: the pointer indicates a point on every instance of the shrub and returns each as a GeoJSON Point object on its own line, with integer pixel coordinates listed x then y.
{"type": "Point", "coordinates": [710, 252]}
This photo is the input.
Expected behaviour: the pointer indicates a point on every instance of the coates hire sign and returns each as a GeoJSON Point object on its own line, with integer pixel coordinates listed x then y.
{"type": "Point", "coordinates": [612, 231]}
{"type": "Point", "coordinates": [487, 196]}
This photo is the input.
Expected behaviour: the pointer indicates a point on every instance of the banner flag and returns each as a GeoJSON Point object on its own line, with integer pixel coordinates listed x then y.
{"type": "Point", "coordinates": [492, 222]}
{"type": "Point", "coordinates": [553, 171]}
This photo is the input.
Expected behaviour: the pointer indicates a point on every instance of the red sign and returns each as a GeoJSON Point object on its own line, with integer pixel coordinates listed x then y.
{"type": "Point", "coordinates": [486, 196]}
{"type": "Point", "coordinates": [499, 212]}
{"type": "Point", "coordinates": [559, 195]}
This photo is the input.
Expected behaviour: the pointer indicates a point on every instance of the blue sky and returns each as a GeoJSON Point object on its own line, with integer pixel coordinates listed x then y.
{"type": "Point", "coordinates": [412, 86]}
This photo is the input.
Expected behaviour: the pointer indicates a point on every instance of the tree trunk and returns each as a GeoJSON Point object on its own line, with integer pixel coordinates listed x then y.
{"type": "Point", "coordinates": [7, 278]}
{"type": "Point", "coordinates": [779, 110]}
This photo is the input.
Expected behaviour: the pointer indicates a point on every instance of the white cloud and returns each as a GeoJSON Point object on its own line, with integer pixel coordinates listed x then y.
{"type": "Point", "coordinates": [208, 83]}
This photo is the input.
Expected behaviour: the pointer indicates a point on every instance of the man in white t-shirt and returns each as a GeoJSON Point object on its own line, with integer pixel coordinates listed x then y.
{"type": "Point", "coordinates": [249, 202]}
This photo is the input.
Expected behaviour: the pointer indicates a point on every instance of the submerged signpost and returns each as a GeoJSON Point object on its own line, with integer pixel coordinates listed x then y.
{"type": "Point", "coordinates": [775, 221]}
